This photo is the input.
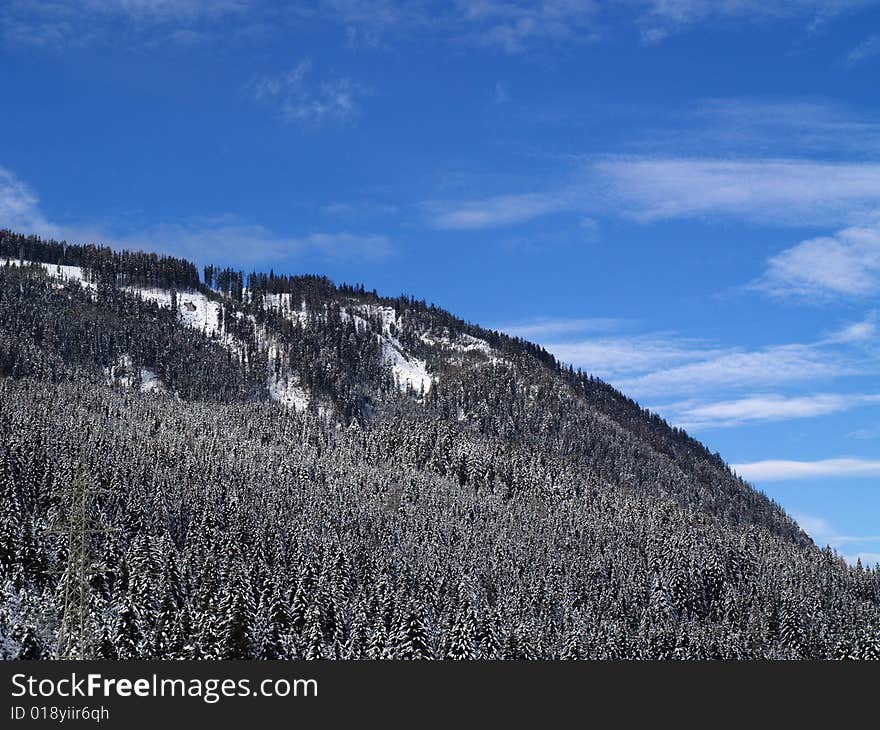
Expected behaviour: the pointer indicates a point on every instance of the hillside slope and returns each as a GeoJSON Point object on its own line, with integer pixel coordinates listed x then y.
{"type": "Point", "coordinates": [312, 470]}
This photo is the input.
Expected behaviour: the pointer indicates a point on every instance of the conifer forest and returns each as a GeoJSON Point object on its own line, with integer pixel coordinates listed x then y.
{"type": "Point", "coordinates": [203, 463]}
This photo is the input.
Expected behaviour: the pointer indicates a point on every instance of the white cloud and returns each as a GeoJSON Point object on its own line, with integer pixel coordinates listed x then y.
{"type": "Point", "coordinates": [512, 25]}
{"type": "Point", "coordinates": [867, 559]}
{"type": "Point", "coordinates": [738, 369]}
{"type": "Point", "coordinates": [204, 239]}
{"type": "Point", "coordinates": [20, 207]}
{"type": "Point", "coordinates": [799, 126]}
{"type": "Point", "coordinates": [660, 18]}
{"type": "Point", "coordinates": [845, 264]}
{"type": "Point", "coordinates": [781, 470]}
{"type": "Point", "coordinates": [823, 534]}
{"type": "Point", "coordinates": [868, 48]}
{"type": "Point", "coordinates": [612, 357]}
{"type": "Point", "coordinates": [855, 332]}
{"type": "Point", "coordinates": [299, 99]}
{"type": "Point", "coordinates": [164, 10]}
{"type": "Point", "coordinates": [783, 191]}
{"type": "Point", "coordinates": [359, 208]}
{"type": "Point", "coordinates": [84, 22]}
{"type": "Point", "coordinates": [494, 212]}
{"type": "Point", "coordinates": [758, 408]}
{"type": "Point", "coordinates": [794, 190]}
{"type": "Point", "coordinates": [515, 25]}
{"type": "Point", "coordinates": [226, 239]}
{"type": "Point", "coordinates": [665, 365]}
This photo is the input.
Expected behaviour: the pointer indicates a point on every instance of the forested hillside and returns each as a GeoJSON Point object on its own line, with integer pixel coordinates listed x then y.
{"type": "Point", "coordinates": [279, 467]}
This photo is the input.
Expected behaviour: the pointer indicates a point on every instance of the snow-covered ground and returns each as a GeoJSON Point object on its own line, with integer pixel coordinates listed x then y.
{"type": "Point", "coordinates": [283, 303]}
{"type": "Point", "coordinates": [464, 343]}
{"type": "Point", "coordinates": [285, 388]}
{"type": "Point", "coordinates": [65, 273]}
{"type": "Point", "coordinates": [124, 373]}
{"type": "Point", "coordinates": [204, 314]}
{"type": "Point", "coordinates": [409, 371]}
{"type": "Point", "coordinates": [150, 382]}
{"type": "Point", "coordinates": [194, 308]}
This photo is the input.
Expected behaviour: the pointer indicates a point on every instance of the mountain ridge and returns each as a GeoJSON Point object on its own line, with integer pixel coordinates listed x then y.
{"type": "Point", "coordinates": [506, 496]}
{"type": "Point", "coordinates": [267, 296]}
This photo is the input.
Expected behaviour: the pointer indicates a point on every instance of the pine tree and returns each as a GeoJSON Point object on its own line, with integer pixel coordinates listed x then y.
{"type": "Point", "coordinates": [127, 636]}
{"type": "Point", "coordinates": [314, 635]}
{"type": "Point", "coordinates": [236, 624]}
{"type": "Point", "coordinates": [462, 641]}
{"type": "Point", "coordinates": [411, 641]}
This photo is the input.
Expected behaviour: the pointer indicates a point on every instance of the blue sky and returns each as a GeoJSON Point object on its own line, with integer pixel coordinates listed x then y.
{"type": "Point", "coordinates": [681, 196]}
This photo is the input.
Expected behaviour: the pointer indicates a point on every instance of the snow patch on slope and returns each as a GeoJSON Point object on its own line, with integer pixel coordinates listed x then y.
{"type": "Point", "coordinates": [198, 312]}
{"type": "Point", "coordinates": [409, 371]}
{"type": "Point", "coordinates": [124, 373]}
{"type": "Point", "coordinates": [65, 273]}
{"type": "Point", "coordinates": [283, 303]}
{"type": "Point", "coordinates": [205, 315]}
{"type": "Point", "coordinates": [464, 343]}
{"type": "Point", "coordinates": [283, 388]}
{"type": "Point", "coordinates": [150, 382]}
{"type": "Point", "coordinates": [194, 308]}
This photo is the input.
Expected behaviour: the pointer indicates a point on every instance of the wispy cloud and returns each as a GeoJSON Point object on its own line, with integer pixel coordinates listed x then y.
{"type": "Point", "coordinates": [868, 48]}
{"type": "Point", "coordinates": [739, 369]}
{"type": "Point", "coordinates": [541, 328]}
{"type": "Point", "coordinates": [359, 209]}
{"type": "Point", "coordinates": [855, 332]}
{"type": "Point", "coordinates": [204, 239]}
{"type": "Point", "coordinates": [301, 99]}
{"type": "Point", "coordinates": [784, 191]}
{"type": "Point", "coordinates": [512, 26]}
{"type": "Point", "coordinates": [797, 190]}
{"type": "Point", "coordinates": [780, 470]}
{"type": "Point", "coordinates": [667, 364]}
{"type": "Point", "coordinates": [866, 558]}
{"type": "Point", "coordinates": [796, 127]}
{"type": "Point", "coordinates": [516, 25]}
{"type": "Point", "coordinates": [626, 358]}
{"type": "Point", "coordinates": [661, 18]}
{"type": "Point", "coordinates": [163, 10]}
{"type": "Point", "coordinates": [817, 527]}
{"type": "Point", "coordinates": [86, 22]}
{"type": "Point", "coordinates": [844, 264]}
{"type": "Point", "coordinates": [495, 212]}
{"type": "Point", "coordinates": [20, 207]}
{"type": "Point", "coordinates": [761, 408]}
{"type": "Point", "coordinates": [226, 239]}
{"type": "Point", "coordinates": [823, 533]}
